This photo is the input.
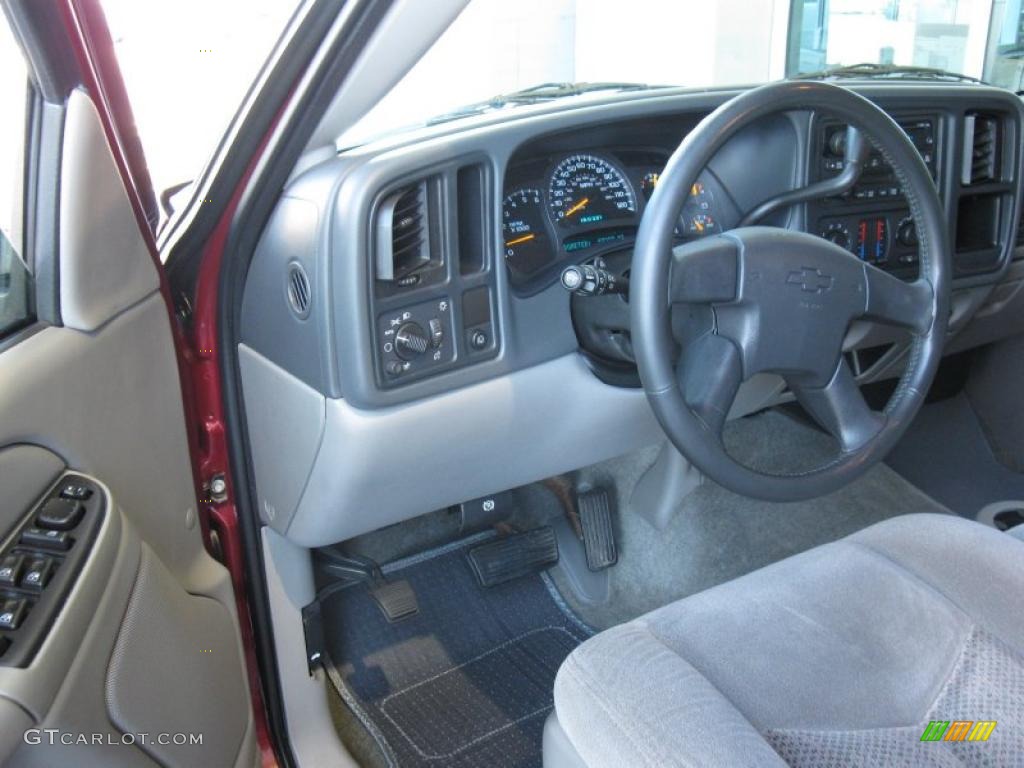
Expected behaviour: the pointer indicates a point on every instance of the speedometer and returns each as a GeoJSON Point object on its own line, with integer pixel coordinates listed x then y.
{"type": "Point", "coordinates": [586, 189]}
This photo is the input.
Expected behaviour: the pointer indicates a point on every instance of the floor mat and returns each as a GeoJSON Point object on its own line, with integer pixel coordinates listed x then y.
{"type": "Point", "coordinates": [468, 680]}
{"type": "Point", "coordinates": [945, 453]}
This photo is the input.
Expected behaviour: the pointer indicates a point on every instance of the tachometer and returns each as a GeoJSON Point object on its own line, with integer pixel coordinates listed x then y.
{"type": "Point", "coordinates": [527, 247]}
{"type": "Point", "coordinates": [586, 189]}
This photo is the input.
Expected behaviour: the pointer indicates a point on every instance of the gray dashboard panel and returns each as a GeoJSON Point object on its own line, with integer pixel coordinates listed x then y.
{"type": "Point", "coordinates": [381, 466]}
{"type": "Point", "coordinates": [534, 329]}
{"type": "Point", "coordinates": [534, 409]}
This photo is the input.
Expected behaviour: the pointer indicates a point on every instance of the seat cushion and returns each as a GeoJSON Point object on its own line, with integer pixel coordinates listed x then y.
{"type": "Point", "coordinates": [838, 656]}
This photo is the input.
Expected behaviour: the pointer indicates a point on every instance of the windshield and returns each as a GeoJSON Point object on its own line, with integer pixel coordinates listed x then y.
{"type": "Point", "coordinates": [496, 47]}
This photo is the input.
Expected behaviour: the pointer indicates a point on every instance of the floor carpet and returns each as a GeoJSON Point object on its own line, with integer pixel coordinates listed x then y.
{"type": "Point", "coordinates": [717, 535]}
{"type": "Point", "coordinates": [945, 453]}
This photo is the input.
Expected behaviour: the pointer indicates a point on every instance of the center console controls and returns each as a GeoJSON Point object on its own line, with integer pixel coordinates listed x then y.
{"type": "Point", "coordinates": [872, 220]}
{"type": "Point", "coordinates": [40, 562]}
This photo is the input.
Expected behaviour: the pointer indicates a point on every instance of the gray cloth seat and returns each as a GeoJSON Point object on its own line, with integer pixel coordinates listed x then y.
{"type": "Point", "coordinates": [839, 656]}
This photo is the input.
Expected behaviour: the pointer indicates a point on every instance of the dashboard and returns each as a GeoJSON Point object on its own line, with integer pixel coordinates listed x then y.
{"type": "Point", "coordinates": [404, 331]}
{"type": "Point", "coordinates": [431, 260]}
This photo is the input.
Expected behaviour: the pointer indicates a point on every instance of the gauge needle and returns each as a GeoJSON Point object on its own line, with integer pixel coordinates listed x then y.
{"type": "Point", "coordinates": [699, 225]}
{"type": "Point", "coordinates": [518, 240]}
{"type": "Point", "coordinates": [578, 207]}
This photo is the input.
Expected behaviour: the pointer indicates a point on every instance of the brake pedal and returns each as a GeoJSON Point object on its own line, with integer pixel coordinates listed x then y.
{"type": "Point", "coordinates": [513, 557]}
{"type": "Point", "coordinates": [595, 512]}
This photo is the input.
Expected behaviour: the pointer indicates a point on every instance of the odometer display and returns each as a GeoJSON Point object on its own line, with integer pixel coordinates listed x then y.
{"type": "Point", "coordinates": [588, 190]}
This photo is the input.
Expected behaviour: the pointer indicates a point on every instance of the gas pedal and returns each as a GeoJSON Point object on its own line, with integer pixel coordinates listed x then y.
{"type": "Point", "coordinates": [595, 511]}
{"type": "Point", "coordinates": [513, 557]}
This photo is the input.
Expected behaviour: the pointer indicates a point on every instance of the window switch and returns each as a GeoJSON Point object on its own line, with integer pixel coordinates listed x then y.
{"type": "Point", "coordinates": [10, 569]}
{"type": "Point", "coordinates": [75, 491]}
{"type": "Point", "coordinates": [38, 574]}
{"type": "Point", "coordinates": [12, 613]}
{"type": "Point", "coordinates": [60, 514]}
{"type": "Point", "coordinates": [58, 541]}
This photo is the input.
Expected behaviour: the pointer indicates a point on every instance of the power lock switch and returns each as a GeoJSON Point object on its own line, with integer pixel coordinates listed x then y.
{"type": "Point", "coordinates": [60, 514]}
{"type": "Point", "coordinates": [39, 538]}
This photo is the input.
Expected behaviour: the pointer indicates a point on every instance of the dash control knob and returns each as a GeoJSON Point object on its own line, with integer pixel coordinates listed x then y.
{"type": "Point", "coordinates": [411, 341]}
{"type": "Point", "coordinates": [906, 232]}
{"type": "Point", "coordinates": [837, 233]}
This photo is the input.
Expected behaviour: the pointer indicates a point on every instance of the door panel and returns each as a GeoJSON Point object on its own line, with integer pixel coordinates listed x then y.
{"type": "Point", "coordinates": [147, 639]}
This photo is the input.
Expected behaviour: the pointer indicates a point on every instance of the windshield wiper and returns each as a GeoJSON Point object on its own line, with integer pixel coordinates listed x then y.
{"type": "Point", "coordinates": [536, 94]}
{"type": "Point", "coordinates": [869, 70]}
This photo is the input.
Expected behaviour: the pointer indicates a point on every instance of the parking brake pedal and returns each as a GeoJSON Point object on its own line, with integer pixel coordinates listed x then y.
{"type": "Point", "coordinates": [595, 512]}
{"type": "Point", "coordinates": [513, 557]}
{"type": "Point", "coordinates": [396, 599]}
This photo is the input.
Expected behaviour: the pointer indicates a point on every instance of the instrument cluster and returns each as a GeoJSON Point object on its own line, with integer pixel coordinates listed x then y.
{"type": "Point", "coordinates": [577, 206]}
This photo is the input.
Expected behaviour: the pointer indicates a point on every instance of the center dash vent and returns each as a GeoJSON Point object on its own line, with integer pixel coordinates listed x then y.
{"type": "Point", "coordinates": [403, 232]}
{"type": "Point", "coordinates": [981, 149]}
{"type": "Point", "coordinates": [299, 294]}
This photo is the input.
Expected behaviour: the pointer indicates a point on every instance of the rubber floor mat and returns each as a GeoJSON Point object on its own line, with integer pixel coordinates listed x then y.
{"type": "Point", "coordinates": [468, 680]}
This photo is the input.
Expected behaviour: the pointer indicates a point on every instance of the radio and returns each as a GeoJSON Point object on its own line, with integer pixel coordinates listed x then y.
{"type": "Point", "coordinates": [878, 181]}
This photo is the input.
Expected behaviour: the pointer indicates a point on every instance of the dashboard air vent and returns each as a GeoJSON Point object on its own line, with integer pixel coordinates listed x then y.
{"type": "Point", "coordinates": [403, 232]}
{"type": "Point", "coordinates": [300, 297]}
{"type": "Point", "coordinates": [981, 149]}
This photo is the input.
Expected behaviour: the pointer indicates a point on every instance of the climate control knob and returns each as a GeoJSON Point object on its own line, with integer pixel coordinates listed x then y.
{"type": "Point", "coordinates": [411, 341]}
{"type": "Point", "coordinates": [837, 233]}
{"type": "Point", "coordinates": [906, 232]}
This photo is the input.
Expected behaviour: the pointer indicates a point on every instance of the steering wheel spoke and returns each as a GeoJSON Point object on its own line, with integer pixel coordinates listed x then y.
{"type": "Point", "coordinates": [710, 373]}
{"type": "Point", "coordinates": [841, 409]}
{"type": "Point", "coordinates": [704, 271]}
{"type": "Point", "coordinates": [897, 302]}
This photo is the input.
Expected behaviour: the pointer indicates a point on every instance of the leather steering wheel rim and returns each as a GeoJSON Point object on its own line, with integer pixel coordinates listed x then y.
{"type": "Point", "coordinates": [738, 282]}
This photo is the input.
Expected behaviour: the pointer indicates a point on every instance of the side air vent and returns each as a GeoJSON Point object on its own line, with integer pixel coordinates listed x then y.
{"type": "Point", "coordinates": [403, 232]}
{"type": "Point", "coordinates": [981, 149]}
{"type": "Point", "coordinates": [300, 297]}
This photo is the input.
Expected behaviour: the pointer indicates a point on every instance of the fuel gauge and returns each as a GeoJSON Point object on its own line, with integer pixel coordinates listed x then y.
{"type": "Point", "coordinates": [699, 224]}
{"type": "Point", "coordinates": [648, 183]}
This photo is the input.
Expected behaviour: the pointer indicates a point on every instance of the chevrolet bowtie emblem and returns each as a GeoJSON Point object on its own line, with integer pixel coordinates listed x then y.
{"type": "Point", "coordinates": [810, 280]}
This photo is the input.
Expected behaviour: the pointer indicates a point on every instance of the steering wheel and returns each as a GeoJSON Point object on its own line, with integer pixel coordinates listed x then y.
{"type": "Point", "coordinates": [708, 315]}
